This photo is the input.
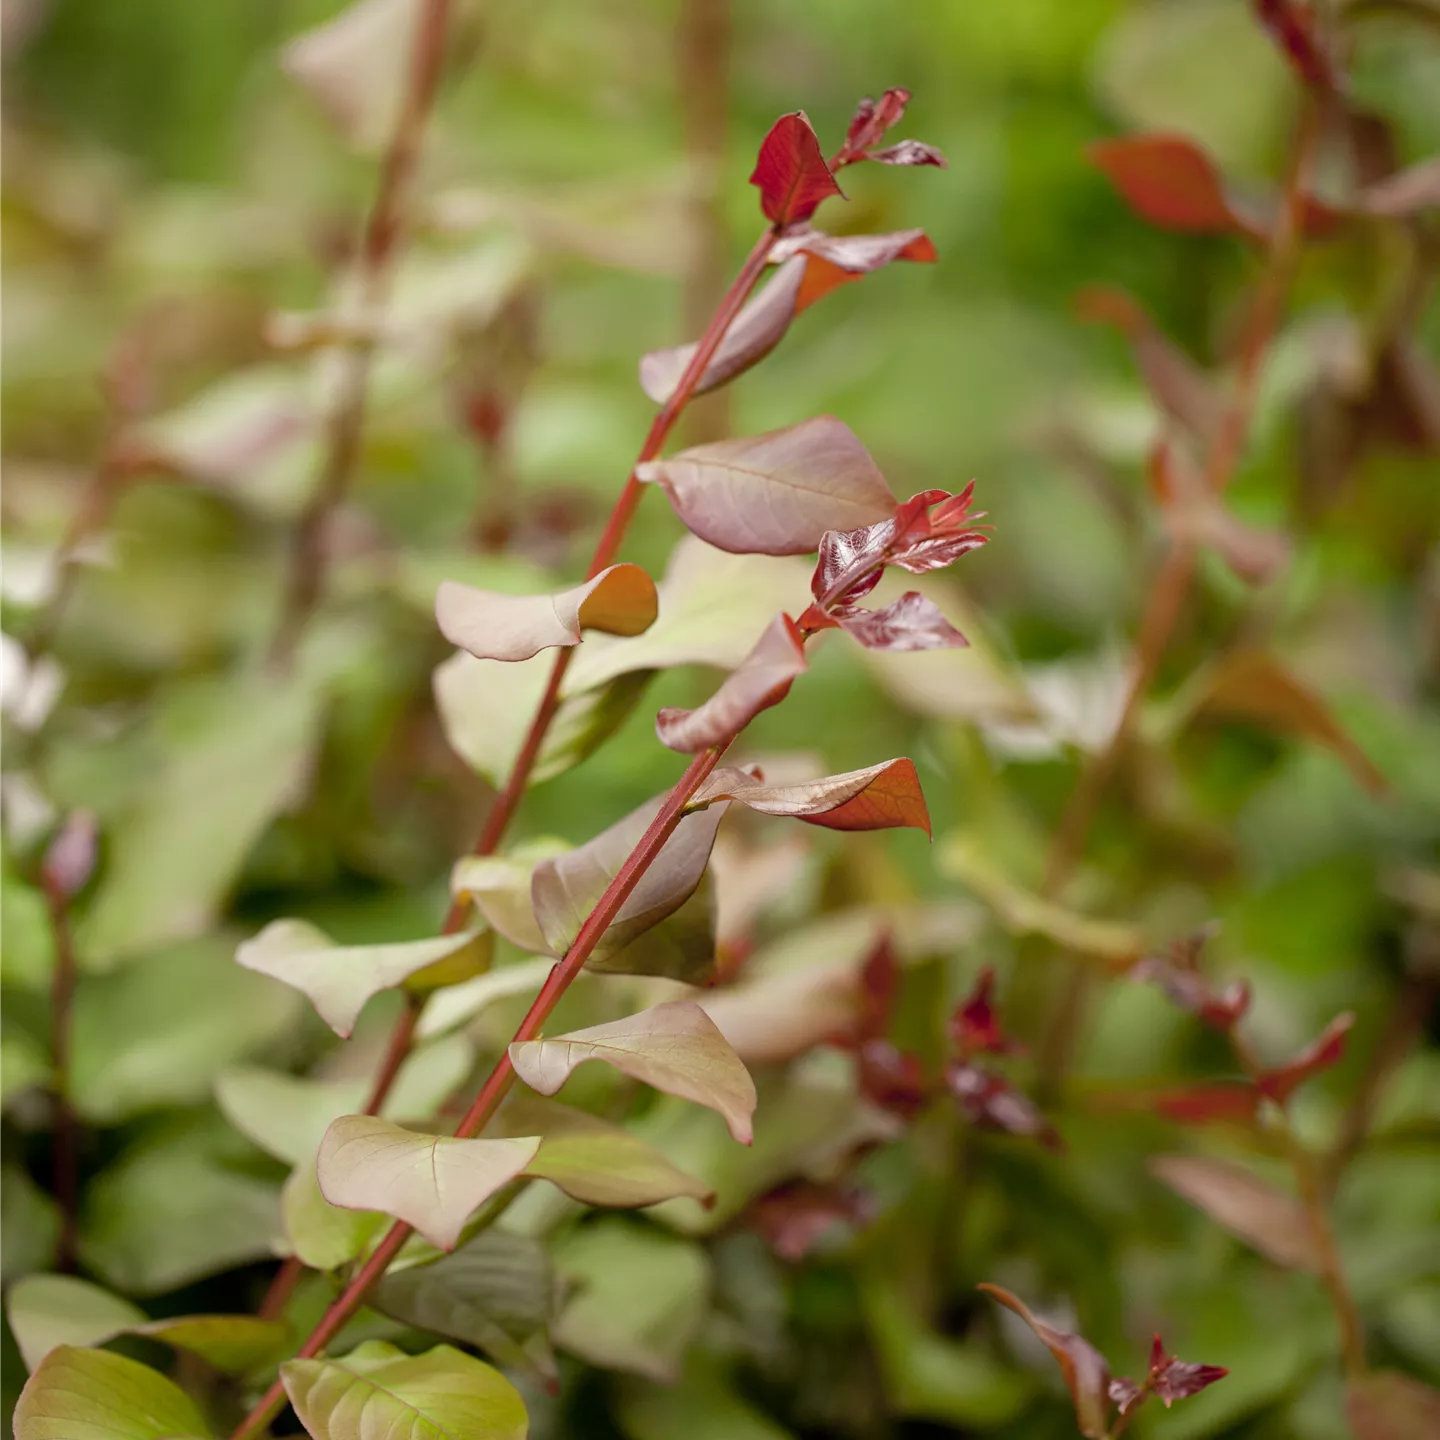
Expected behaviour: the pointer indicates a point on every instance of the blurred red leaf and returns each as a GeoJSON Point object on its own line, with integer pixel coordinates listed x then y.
{"type": "Point", "coordinates": [763, 679]}
{"type": "Point", "coordinates": [989, 1101]}
{"type": "Point", "coordinates": [869, 127]}
{"type": "Point", "coordinates": [910, 623]}
{"type": "Point", "coordinates": [791, 173]}
{"type": "Point", "coordinates": [1177, 973]}
{"type": "Point", "coordinates": [754, 333]}
{"type": "Point", "coordinates": [70, 858]}
{"type": "Point", "coordinates": [1171, 1379]}
{"type": "Point", "coordinates": [774, 494]}
{"type": "Point", "coordinates": [1405, 193]}
{"type": "Point", "coordinates": [795, 1216]}
{"type": "Point", "coordinates": [1126, 1394]}
{"type": "Point", "coordinates": [1237, 1101]}
{"type": "Point", "coordinates": [891, 1078]}
{"type": "Point", "coordinates": [1087, 1376]}
{"type": "Point", "coordinates": [974, 1024]}
{"type": "Point", "coordinates": [834, 260]}
{"type": "Point", "coordinates": [879, 985]}
{"type": "Point", "coordinates": [1294, 31]}
{"type": "Point", "coordinates": [1320, 1054]}
{"type": "Point", "coordinates": [1176, 383]}
{"type": "Point", "coordinates": [1386, 1405]}
{"type": "Point", "coordinates": [1169, 181]}
{"type": "Point", "coordinates": [1265, 1218]}
{"type": "Point", "coordinates": [1253, 685]}
{"type": "Point", "coordinates": [880, 797]}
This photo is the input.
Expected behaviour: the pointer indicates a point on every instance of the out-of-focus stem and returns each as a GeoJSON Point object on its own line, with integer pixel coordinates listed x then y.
{"type": "Point", "coordinates": [305, 575]}
{"type": "Point", "coordinates": [66, 1134]}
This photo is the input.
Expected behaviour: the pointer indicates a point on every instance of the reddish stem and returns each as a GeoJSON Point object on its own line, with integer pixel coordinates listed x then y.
{"type": "Point", "coordinates": [503, 1075]}
{"type": "Point", "coordinates": [66, 1136]}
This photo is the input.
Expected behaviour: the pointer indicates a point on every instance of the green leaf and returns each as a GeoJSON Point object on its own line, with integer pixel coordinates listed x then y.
{"type": "Point", "coordinates": [173, 1211]}
{"type": "Point", "coordinates": [566, 889]}
{"type": "Point", "coordinates": [287, 1115]}
{"type": "Point", "coordinates": [499, 887]}
{"type": "Point", "coordinates": [323, 1235]}
{"type": "Point", "coordinates": [641, 1296]}
{"type": "Point", "coordinates": [675, 1047]}
{"type": "Point", "coordinates": [378, 1391]}
{"type": "Point", "coordinates": [593, 1161]}
{"type": "Point", "coordinates": [463, 1003]}
{"type": "Point", "coordinates": [94, 1395]}
{"type": "Point", "coordinates": [496, 1291]}
{"type": "Point", "coordinates": [158, 1032]}
{"type": "Point", "coordinates": [29, 941]}
{"type": "Point", "coordinates": [235, 757]}
{"type": "Point", "coordinates": [701, 1407]}
{"type": "Point", "coordinates": [29, 1224]}
{"type": "Point", "coordinates": [339, 979]}
{"type": "Point", "coordinates": [432, 1182]}
{"type": "Point", "coordinates": [46, 1311]}
{"type": "Point", "coordinates": [23, 1061]}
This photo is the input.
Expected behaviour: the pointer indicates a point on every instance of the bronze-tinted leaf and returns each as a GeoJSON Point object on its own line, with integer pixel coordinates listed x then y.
{"type": "Point", "coordinates": [1171, 182]}
{"type": "Point", "coordinates": [791, 173]}
{"type": "Point", "coordinates": [1087, 1376]}
{"type": "Point", "coordinates": [1266, 1219]}
{"type": "Point", "coordinates": [1171, 1379]}
{"type": "Point", "coordinates": [1405, 193]}
{"type": "Point", "coordinates": [1254, 685]}
{"type": "Point", "coordinates": [836, 259]}
{"type": "Point", "coordinates": [762, 681]}
{"type": "Point", "coordinates": [1320, 1054]}
{"type": "Point", "coordinates": [619, 600]}
{"type": "Point", "coordinates": [912, 622]}
{"type": "Point", "coordinates": [777, 493]}
{"type": "Point", "coordinates": [975, 1023]}
{"type": "Point", "coordinates": [1386, 1405]}
{"type": "Point", "coordinates": [990, 1101]}
{"type": "Point", "coordinates": [880, 797]}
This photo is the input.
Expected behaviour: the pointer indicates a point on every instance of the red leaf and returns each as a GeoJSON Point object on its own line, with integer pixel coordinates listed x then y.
{"type": "Point", "coordinates": [774, 494]}
{"type": "Point", "coordinates": [974, 1025]}
{"type": "Point", "coordinates": [1087, 1376]}
{"type": "Point", "coordinates": [879, 985]}
{"type": "Point", "coordinates": [763, 679]}
{"type": "Point", "coordinates": [836, 259]}
{"type": "Point", "coordinates": [1171, 182]}
{"type": "Point", "coordinates": [909, 152]}
{"type": "Point", "coordinates": [1173, 1379]}
{"type": "Point", "coordinates": [891, 1078]}
{"type": "Point", "coordinates": [989, 1101]}
{"type": "Point", "coordinates": [1293, 28]}
{"type": "Point", "coordinates": [791, 173]}
{"type": "Point", "coordinates": [70, 858]}
{"type": "Point", "coordinates": [795, 1216]}
{"type": "Point", "coordinates": [1320, 1054]}
{"type": "Point", "coordinates": [910, 623]}
{"type": "Point", "coordinates": [880, 797]}
{"type": "Point", "coordinates": [1177, 973]}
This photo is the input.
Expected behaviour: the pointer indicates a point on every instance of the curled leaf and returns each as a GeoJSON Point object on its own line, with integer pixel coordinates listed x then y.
{"type": "Point", "coordinates": [891, 1078]}
{"type": "Point", "coordinates": [1177, 973]}
{"type": "Point", "coordinates": [1087, 1376]}
{"type": "Point", "coordinates": [975, 1025]}
{"type": "Point", "coordinates": [1320, 1054]}
{"type": "Point", "coordinates": [1268, 1220]}
{"type": "Point", "coordinates": [654, 932]}
{"type": "Point", "coordinates": [869, 126]}
{"type": "Point", "coordinates": [620, 600]}
{"type": "Point", "coordinates": [791, 173]}
{"type": "Point", "coordinates": [908, 152]}
{"type": "Point", "coordinates": [339, 979]}
{"type": "Point", "coordinates": [432, 1182]}
{"type": "Point", "coordinates": [989, 1101]}
{"type": "Point", "coordinates": [880, 797]}
{"type": "Point", "coordinates": [837, 259]}
{"type": "Point", "coordinates": [763, 680]}
{"type": "Point", "coordinates": [675, 1047]}
{"type": "Point", "coordinates": [753, 334]}
{"type": "Point", "coordinates": [913, 622]}
{"type": "Point", "coordinates": [1171, 1379]}
{"type": "Point", "coordinates": [777, 493]}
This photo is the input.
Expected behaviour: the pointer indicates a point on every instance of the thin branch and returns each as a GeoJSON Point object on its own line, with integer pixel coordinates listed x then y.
{"type": "Point", "coordinates": [66, 1137]}
{"type": "Point", "coordinates": [503, 1075]}
{"type": "Point", "coordinates": [305, 576]}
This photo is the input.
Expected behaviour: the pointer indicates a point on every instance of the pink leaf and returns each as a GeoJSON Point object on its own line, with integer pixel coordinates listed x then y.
{"type": "Point", "coordinates": [763, 679]}
{"type": "Point", "coordinates": [754, 333]}
{"type": "Point", "coordinates": [891, 1078]}
{"type": "Point", "coordinates": [794, 1217]}
{"type": "Point", "coordinates": [70, 859]}
{"type": "Point", "coordinates": [909, 152]}
{"type": "Point", "coordinates": [777, 493]}
{"type": "Point", "coordinates": [620, 600]}
{"type": "Point", "coordinates": [1320, 1054]}
{"type": "Point", "coordinates": [1087, 1376]}
{"type": "Point", "coordinates": [791, 173]}
{"type": "Point", "coordinates": [910, 623]}
{"type": "Point", "coordinates": [1405, 193]}
{"type": "Point", "coordinates": [989, 1101]}
{"type": "Point", "coordinates": [836, 259]}
{"type": "Point", "coordinates": [869, 127]}
{"type": "Point", "coordinates": [881, 797]}
{"type": "Point", "coordinates": [1177, 973]}
{"type": "Point", "coordinates": [1171, 1379]}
